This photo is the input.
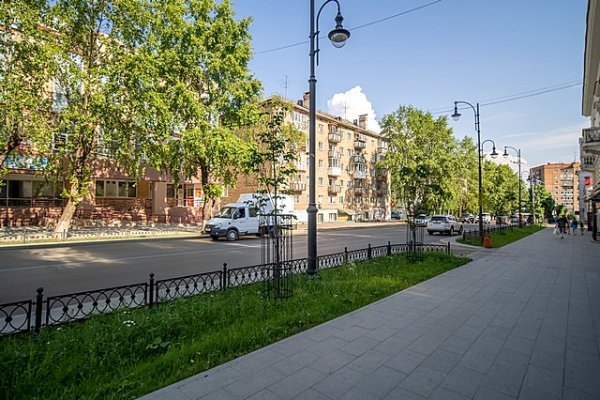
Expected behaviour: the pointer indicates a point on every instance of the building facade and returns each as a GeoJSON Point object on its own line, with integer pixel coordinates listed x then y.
{"type": "Point", "coordinates": [348, 186]}
{"type": "Point", "coordinates": [590, 137]}
{"type": "Point", "coordinates": [561, 181]}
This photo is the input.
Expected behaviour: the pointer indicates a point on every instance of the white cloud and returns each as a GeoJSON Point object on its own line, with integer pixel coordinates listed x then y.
{"type": "Point", "coordinates": [352, 103]}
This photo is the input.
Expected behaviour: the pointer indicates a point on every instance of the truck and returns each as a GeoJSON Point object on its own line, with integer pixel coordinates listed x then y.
{"type": "Point", "coordinates": [251, 214]}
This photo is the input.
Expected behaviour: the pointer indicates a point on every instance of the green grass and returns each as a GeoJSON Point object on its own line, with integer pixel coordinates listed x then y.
{"type": "Point", "coordinates": [505, 236]}
{"type": "Point", "coordinates": [132, 352]}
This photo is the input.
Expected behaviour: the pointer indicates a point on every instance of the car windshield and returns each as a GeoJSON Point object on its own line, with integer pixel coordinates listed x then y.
{"type": "Point", "coordinates": [438, 219]}
{"type": "Point", "coordinates": [226, 212]}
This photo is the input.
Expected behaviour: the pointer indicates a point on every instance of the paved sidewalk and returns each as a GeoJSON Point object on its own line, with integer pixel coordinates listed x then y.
{"type": "Point", "coordinates": [518, 322]}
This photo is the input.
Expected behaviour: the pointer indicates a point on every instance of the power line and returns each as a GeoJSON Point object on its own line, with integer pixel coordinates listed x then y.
{"type": "Point", "coordinates": [516, 96]}
{"type": "Point", "coordinates": [352, 29]}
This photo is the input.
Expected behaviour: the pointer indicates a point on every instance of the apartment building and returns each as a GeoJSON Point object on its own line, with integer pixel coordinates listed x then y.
{"type": "Point", "coordinates": [348, 186]}
{"type": "Point", "coordinates": [590, 107]}
{"type": "Point", "coordinates": [561, 181]}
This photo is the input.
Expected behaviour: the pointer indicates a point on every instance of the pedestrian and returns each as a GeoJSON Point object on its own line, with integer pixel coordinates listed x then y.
{"type": "Point", "coordinates": [574, 225]}
{"type": "Point", "coordinates": [581, 227]}
{"type": "Point", "coordinates": [562, 226]}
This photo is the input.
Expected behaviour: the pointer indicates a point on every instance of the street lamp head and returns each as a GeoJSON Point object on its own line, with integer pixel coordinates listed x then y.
{"type": "Point", "coordinates": [339, 35]}
{"type": "Point", "coordinates": [505, 153]}
{"type": "Point", "coordinates": [456, 115]}
{"type": "Point", "coordinates": [494, 153]}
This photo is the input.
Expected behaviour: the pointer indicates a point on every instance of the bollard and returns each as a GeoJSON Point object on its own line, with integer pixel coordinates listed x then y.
{"type": "Point", "coordinates": [369, 253]}
{"type": "Point", "coordinates": [389, 248]}
{"type": "Point", "coordinates": [39, 300]}
{"type": "Point", "coordinates": [345, 255]}
{"type": "Point", "coordinates": [151, 291]}
{"type": "Point", "coordinates": [224, 278]}
{"type": "Point", "coordinates": [448, 248]}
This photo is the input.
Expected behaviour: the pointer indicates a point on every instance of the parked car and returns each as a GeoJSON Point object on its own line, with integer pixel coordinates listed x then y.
{"type": "Point", "coordinates": [422, 220]}
{"type": "Point", "coordinates": [467, 218]}
{"type": "Point", "coordinates": [397, 214]}
{"type": "Point", "coordinates": [485, 217]}
{"type": "Point", "coordinates": [503, 220]}
{"type": "Point", "coordinates": [444, 224]}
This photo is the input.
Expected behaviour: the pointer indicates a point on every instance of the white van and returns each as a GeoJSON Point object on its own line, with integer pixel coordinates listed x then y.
{"type": "Point", "coordinates": [244, 216]}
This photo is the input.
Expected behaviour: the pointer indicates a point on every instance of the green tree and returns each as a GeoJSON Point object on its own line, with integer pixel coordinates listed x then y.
{"type": "Point", "coordinates": [544, 203]}
{"type": "Point", "coordinates": [465, 176]}
{"type": "Point", "coordinates": [104, 89]}
{"type": "Point", "coordinates": [201, 55]}
{"type": "Point", "coordinates": [26, 65]}
{"type": "Point", "coordinates": [420, 158]}
{"type": "Point", "coordinates": [500, 189]}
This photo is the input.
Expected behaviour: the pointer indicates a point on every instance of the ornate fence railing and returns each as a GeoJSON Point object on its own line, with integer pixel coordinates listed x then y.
{"type": "Point", "coordinates": [469, 233]}
{"type": "Point", "coordinates": [27, 315]}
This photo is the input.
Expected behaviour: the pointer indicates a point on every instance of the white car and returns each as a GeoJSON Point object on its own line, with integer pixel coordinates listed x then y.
{"type": "Point", "coordinates": [422, 220]}
{"type": "Point", "coordinates": [444, 224]}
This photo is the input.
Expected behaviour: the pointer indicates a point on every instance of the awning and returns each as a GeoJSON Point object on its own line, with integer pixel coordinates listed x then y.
{"type": "Point", "coordinates": [347, 212]}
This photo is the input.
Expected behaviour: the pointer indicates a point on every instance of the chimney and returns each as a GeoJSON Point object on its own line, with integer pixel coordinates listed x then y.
{"type": "Point", "coordinates": [306, 99]}
{"type": "Point", "coordinates": [362, 121]}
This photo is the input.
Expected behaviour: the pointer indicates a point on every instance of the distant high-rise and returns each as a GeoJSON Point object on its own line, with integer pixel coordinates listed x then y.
{"type": "Point", "coordinates": [562, 181]}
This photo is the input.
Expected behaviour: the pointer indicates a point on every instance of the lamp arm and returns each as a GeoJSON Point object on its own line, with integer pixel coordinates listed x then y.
{"type": "Point", "coordinates": [315, 34]}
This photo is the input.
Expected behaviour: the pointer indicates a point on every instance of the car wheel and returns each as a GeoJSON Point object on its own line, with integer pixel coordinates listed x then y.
{"type": "Point", "coordinates": [232, 235]}
{"type": "Point", "coordinates": [430, 232]}
{"type": "Point", "coordinates": [214, 237]}
{"type": "Point", "coordinates": [451, 231]}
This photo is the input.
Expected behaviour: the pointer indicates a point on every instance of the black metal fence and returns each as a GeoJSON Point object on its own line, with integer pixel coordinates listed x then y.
{"type": "Point", "coordinates": [474, 233]}
{"type": "Point", "coordinates": [23, 316]}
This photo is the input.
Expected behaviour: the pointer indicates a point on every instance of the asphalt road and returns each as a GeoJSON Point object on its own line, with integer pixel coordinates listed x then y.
{"type": "Point", "coordinates": [62, 270]}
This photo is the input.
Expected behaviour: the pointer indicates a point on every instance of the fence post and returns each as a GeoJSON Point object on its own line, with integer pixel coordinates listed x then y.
{"type": "Point", "coordinates": [448, 248]}
{"type": "Point", "coordinates": [224, 278]}
{"type": "Point", "coordinates": [151, 289]}
{"type": "Point", "coordinates": [345, 255]}
{"type": "Point", "coordinates": [389, 248]}
{"type": "Point", "coordinates": [39, 300]}
{"type": "Point", "coordinates": [369, 254]}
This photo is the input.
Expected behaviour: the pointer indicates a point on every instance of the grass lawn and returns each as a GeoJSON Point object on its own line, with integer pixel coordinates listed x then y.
{"type": "Point", "coordinates": [133, 352]}
{"type": "Point", "coordinates": [505, 236]}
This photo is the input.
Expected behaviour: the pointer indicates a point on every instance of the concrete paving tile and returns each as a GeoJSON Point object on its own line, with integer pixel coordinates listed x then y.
{"type": "Point", "coordinates": [589, 361]}
{"type": "Point", "coordinates": [549, 360]}
{"type": "Point", "coordinates": [457, 344]}
{"type": "Point", "coordinates": [443, 394]}
{"type": "Point", "coordinates": [293, 345]}
{"type": "Point", "coordinates": [380, 333]}
{"type": "Point", "coordinates": [422, 381]}
{"type": "Point", "coordinates": [357, 393]}
{"type": "Point", "coordinates": [335, 385]}
{"type": "Point", "coordinates": [369, 361]}
{"type": "Point", "coordinates": [295, 362]}
{"type": "Point", "coordinates": [251, 384]}
{"type": "Point", "coordinates": [519, 344]}
{"type": "Point", "coordinates": [582, 380]}
{"type": "Point", "coordinates": [477, 361]}
{"type": "Point", "coordinates": [392, 345]}
{"type": "Point", "coordinates": [534, 393]}
{"type": "Point", "coordinates": [168, 393]}
{"type": "Point", "coordinates": [328, 345]}
{"type": "Point", "coordinates": [463, 381]}
{"type": "Point", "coordinates": [442, 360]}
{"type": "Point", "coordinates": [511, 359]}
{"type": "Point", "coordinates": [504, 380]}
{"type": "Point", "coordinates": [331, 362]}
{"type": "Point", "coordinates": [310, 394]}
{"type": "Point", "coordinates": [412, 332]}
{"type": "Point", "coordinates": [220, 394]}
{"type": "Point", "coordinates": [469, 332]}
{"type": "Point", "coordinates": [574, 394]}
{"type": "Point", "coordinates": [402, 394]}
{"type": "Point", "coordinates": [360, 346]}
{"type": "Point", "coordinates": [297, 383]}
{"type": "Point", "coordinates": [487, 344]}
{"type": "Point", "coordinates": [406, 361]}
{"type": "Point", "coordinates": [381, 381]}
{"type": "Point", "coordinates": [265, 395]}
{"type": "Point", "coordinates": [352, 333]}
{"type": "Point", "coordinates": [256, 360]}
{"type": "Point", "coordinates": [425, 345]}
{"type": "Point", "coordinates": [485, 393]}
{"type": "Point", "coordinates": [209, 381]}
{"type": "Point", "coordinates": [582, 345]}
{"type": "Point", "coordinates": [547, 380]}
{"type": "Point", "coordinates": [496, 332]}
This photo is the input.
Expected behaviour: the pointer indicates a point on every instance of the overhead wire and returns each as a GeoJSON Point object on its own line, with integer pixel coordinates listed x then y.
{"type": "Point", "coordinates": [352, 28]}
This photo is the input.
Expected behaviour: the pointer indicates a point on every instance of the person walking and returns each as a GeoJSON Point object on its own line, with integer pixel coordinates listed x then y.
{"type": "Point", "coordinates": [562, 225]}
{"type": "Point", "coordinates": [581, 227]}
{"type": "Point", "coordinates": [574, 225]}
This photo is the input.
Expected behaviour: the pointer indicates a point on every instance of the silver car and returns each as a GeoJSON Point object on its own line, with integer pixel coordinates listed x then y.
{"type": "Point", "coordinates": [444, 224]}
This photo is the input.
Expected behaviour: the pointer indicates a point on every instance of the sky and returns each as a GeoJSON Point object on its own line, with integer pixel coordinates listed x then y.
{"type": "Point", "coordinates": [525, 56]}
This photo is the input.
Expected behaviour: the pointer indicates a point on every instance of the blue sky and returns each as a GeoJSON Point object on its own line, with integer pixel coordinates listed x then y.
{"type": "Point", "coordinates": [472, 50]}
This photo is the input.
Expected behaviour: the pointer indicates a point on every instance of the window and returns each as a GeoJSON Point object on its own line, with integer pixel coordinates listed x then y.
{"type": "Point", "coordinates": [320, 217]}
{"type": "Point", "coordinates": [341, 199]}
{"type": "Point", "coordinates": [331, 199]}
{"type": "Point", "coordinates": [320, 181]}
{"type": "Point", "coordinates": [296, 198]}
{"type": "Point", "coordinates": [170, 191]}
{"type": "Point", "coordinates": [320, 163]}
{"type": "Point", "coordinates": [349, 136]}
{"type": "Point", "coordinates": [332, 217]}
{"type": "Point", "coordinates": [253, 212]}
{"type": "Point", "coordinates": [114, 188]}
{"type": "Point", "coordinates": [320, 145]}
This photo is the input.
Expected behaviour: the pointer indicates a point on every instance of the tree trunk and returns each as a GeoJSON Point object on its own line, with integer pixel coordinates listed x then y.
{"type": "Point", "coordinates": [64, 223]}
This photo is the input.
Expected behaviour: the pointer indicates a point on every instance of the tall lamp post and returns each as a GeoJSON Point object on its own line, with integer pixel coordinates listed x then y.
{"type": "Point", "coordinates": [456, 117]}
{"type": "Point", "coordinates": [338, 37]}
{"type": "Point", "coordinates": [518, 152]}
{"type": "Point", "coordinates": [531, 191]}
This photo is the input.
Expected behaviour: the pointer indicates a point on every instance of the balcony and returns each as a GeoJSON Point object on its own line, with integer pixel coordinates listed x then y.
{"type": "Point", "coordinates": [333, 154]}
{"type": "Point", "coordinates": [297, 187]}
{"type": "Point", "coordinates": [334, 189]}
{"type": "Point", "coordinates": [360, 137]}
{"type": "Point", "coordinates": [359, 145]}
{"type": "Point", "coordinates": [300, 165]}
{"type": "Point", "coordinates": [359, 175]}
{"type": "Point", "coordinates": [591, 140]}
{"type": "Point", "coordinates": [358, 191]}
{"type": "Point", "coordinates": [335, 137]}
{"type": "Point", "coordinates": [334, 171]}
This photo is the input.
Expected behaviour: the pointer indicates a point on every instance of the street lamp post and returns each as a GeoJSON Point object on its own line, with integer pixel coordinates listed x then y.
{"type": "Point", "coordinates": [530, 180]}
{"type": "Point", "coordinates": [456, 117]}
{"type": "Point", "coordinates": [518, 151]}
{"type": "Point", "coordinates": [338, 37]}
